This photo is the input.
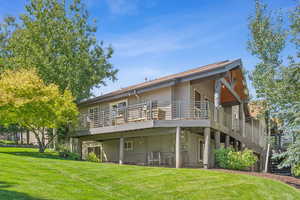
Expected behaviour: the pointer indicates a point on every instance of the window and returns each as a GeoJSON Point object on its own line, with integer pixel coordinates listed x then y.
{"type": "Point", "coordinates": [128, 145]}
{"type": "Point", "coordinates": [200, 150]}
{"type": "Point", "coordinates": [118, 108]}
{"type": "Point", "coordinates": [197, 99]}
{"type": "Point", "coordinates": [93, 116]}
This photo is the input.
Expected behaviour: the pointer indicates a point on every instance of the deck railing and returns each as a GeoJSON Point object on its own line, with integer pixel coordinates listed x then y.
{"type": "Point", "coordinates": [174, 110]}
{"type": "Point", "coordinates": [152, 110]}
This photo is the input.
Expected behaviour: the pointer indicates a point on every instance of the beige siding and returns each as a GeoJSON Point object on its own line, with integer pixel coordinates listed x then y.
{"type": "Point", "coordinates": [143, 145]}
{"type": "Point", "coordinates": [191, 153]}
{"type": "Point", "coordinates": [182, 92]}
{"type": "Point", "coordinates": [111, 150]}
{"type": "Point", "coordinates": [161, 95]}
{"type": "Point", "coordinates": [205, 88]}
{"type": "Point", "coordinates": [164, 143]}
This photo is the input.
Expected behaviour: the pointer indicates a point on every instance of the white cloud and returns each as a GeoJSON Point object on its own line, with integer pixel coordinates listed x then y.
{"type": "Point", "coordinates": [163, 37]}
{"type": "Point", "coordinates": [151, 51]}
{"type": "Point", "coordinates": [123, 6]}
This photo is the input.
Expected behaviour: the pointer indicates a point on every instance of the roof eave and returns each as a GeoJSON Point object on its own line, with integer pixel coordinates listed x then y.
{"type": "Point", "coordinates": [167, 83]}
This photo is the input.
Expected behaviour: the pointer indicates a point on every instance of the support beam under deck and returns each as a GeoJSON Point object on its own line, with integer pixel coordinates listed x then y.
{"type": "Point", "coordinates": [177, 144]}
{"type": "Point", "coordinates": [206, 148]}
{"type": "Point", "coordinates": [121, 155]}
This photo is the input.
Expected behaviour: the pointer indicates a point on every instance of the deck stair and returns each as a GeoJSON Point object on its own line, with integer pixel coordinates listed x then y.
{"type": "Point", "coordinates": [273, 168]}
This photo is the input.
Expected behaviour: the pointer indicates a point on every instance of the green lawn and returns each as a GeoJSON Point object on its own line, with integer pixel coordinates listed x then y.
{"type": "Point", "coordinates": [26, 174]}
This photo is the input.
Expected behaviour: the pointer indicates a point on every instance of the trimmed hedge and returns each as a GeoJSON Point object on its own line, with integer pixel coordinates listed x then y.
{"type": "Point", "coordinates": [228, 158]}
{"type": "Point", "coordinates": [69, 155]}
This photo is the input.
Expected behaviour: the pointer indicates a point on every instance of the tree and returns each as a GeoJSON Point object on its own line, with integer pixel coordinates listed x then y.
{"type": "Point", "coordinates": [27, 101]}
{"type": "Point", "coordinates": [55, 37]}
{"type": "Point", "coordinates": [266, 43]}
{"type": "Point", "coordinates": [276, 83]}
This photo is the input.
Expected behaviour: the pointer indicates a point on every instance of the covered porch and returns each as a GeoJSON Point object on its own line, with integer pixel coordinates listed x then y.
{"type": "Point", "coordinates": [162, 146]}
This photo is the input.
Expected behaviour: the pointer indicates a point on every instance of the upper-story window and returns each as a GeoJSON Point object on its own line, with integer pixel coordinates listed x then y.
{"type": "Point", "coordinates": [118, 108]}
{"type": "Point", "coordinates": [93, 116]}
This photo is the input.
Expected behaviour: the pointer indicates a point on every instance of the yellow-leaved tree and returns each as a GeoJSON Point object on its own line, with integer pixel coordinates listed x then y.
{"type": "Point", "coordinates": [27, 101]}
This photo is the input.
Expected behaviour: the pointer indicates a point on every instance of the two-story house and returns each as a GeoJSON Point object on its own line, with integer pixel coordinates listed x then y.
{"type": "Point", "coordinates": [175, 121]}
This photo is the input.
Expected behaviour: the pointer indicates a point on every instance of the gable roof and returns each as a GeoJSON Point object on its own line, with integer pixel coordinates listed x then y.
{"type": "Point", "coordinates": [192, 74]}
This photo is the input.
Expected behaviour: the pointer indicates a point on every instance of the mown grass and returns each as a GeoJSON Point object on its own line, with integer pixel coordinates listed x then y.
{"type": "Point", "coordinates": [7, 142]}
{"type": "Point", "coordinates": [27, 174]}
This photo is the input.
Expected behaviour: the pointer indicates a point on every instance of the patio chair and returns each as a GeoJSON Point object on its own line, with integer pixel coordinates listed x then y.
{"type": "Point", "coordinates": [154, 157]}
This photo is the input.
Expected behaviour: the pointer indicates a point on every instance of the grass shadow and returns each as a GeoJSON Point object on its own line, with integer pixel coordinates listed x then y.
{"type": "Point", "coordinates": [35, 155]}
{"type": "Point", "coordinates": [13, 195]}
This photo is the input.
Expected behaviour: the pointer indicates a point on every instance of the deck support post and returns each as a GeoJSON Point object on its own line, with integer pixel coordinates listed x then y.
{"type": "Point", "coordinates": [236, 145]}
{"type": "Point", "coordinates": [206, 148]}
{"type": "Point", "coordinates": [227, 141]}
{"type": "Point", "coordinates": [177, 144]}
{"type": "Point", "coordinates": [243, 146]}
{"type": "Point", "coordinates": [218, 139]}
{"type": "Point", "coordinates": [121, 154]}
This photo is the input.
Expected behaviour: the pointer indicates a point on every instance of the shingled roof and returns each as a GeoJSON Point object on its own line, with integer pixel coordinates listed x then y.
{"type": "Point", "coordinates": [173, 77]}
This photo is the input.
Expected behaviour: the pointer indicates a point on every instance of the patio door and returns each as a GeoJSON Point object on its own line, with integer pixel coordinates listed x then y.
{"type": "Point", "coordinates": [197, 104]}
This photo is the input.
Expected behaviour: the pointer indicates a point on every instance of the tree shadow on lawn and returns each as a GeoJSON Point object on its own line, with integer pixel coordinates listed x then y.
{"type": "Point", "coordinates": [35, 154]}
{"type": "Point", "coordinates": [13, 195]}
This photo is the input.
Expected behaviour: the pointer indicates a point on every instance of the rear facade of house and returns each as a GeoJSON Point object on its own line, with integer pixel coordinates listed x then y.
{"type": "Point", "coordinates": [174, 121]}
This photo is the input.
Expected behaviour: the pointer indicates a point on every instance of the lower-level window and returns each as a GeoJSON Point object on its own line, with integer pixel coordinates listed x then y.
{"type": "Point", "coordinates": [200, 150]}
{"type": "Point", "coordinates": [128, 145]}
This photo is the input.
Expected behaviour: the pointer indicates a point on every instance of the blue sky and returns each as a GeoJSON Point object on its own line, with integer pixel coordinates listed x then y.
{"type": "Point", "coordinates": [153, 38]}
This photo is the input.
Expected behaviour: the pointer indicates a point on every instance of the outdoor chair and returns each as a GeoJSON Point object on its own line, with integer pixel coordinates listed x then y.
{"type": "Point", "coordinates": [154, 157]}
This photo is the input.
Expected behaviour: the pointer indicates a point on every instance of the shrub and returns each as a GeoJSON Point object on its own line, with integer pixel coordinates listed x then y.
{"type": "Point", "coordinates": [291, 156]}
{"type": "Point", "coordinates": [296, 170]}
{"type": "Point", "coordinates": [92, 157]}
{"type": "Point", "coordinates": [227, 158]}
{"type": "Point", "coordinates": [69, 155]}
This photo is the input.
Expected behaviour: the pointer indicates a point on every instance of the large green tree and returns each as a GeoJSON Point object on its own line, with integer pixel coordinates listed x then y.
{"type": "Point", "coordinates": [27, 101]}
{"type": "Point", "coordinates": [275, 78]}
{"type": "Point", "coordinates": [57, 38]}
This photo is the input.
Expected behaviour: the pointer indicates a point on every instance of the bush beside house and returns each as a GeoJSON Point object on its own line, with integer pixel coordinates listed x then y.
{"type": "Point", "coordinates": [92, 157]}
{"type": "Point", "coordinates": [296, 170]}
{"type": "Point", "coordinates": [228, 158]}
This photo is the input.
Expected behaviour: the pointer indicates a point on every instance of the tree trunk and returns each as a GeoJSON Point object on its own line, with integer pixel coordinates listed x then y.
{"type": "Point", "coordinates": [21, 135]}
{"type": "Point", "coordinates": [16, 137]}
{"type": "Point", "coordinates": [42, 149]}
{"type": "Point", "coordinates": [42, 145]}
{"type": "Point", "coordinates": [27, 137]}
